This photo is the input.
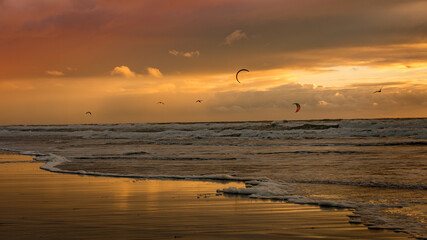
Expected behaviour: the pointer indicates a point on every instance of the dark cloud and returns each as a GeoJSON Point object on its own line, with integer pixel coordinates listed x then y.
{"type": "Point", "coordinates": [98, 35]}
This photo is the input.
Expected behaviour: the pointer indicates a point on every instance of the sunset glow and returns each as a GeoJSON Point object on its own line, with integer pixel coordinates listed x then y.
{"type": "Point", "coordinates": [62, 58]}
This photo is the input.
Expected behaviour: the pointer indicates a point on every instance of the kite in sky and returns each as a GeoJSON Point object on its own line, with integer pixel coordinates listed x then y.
{"type": "Point", "coordinates": [237, 74]}
{"type": "Point", "coordinates": [298, 107]}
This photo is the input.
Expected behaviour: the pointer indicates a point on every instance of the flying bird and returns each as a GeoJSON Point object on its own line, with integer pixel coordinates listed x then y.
{"type": "Point", "coordinates": [199, 101]}
{"type": "Point", "coordinates": [88, 113]}
{"type": "Point", "coordinates": [298, 107]}
{"type": "Point", "coordinates": [237, 74]}
{"type": "Point", "coordinates": [379, 90]}
{"type": "Point", "coordinates": [161, 103]}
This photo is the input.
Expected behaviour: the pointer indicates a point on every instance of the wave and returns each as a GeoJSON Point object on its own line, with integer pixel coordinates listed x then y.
{"type": "Point", "coordinates": [370, 214]}
{"type": "Point", "coordinates": [266, 144]}
{"type": "Point", "coordinates": [135, 153]}
{"type": "Point", "coordinates": [410, 143]}
{"type": "Point", "coordinates": [353, 128]}
{"type": "Point", "coordinates": [308, 152]}
{"type": "Point", "coordinates": [152, 158]}
{"type": "Point", "coordinates": [53, 160]}
{"type": "Point", "coordinates": [366, 184]}
{"type": "Point", "coordinates": [279, 191]}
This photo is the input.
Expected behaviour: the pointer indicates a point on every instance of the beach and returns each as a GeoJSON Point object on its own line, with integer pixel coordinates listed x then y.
{"type": "Point", "coordinates": [37, 204]}
{"type": "Point", "coordinates": [376, 167]}
{"type": "Point", "coordinates": [213, 119]}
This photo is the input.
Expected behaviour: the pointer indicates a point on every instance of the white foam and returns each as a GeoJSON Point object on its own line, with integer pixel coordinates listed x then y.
{"type": "Point", "coordinates": [31, 153]}
{"type": "Point", "coordinates": [259, 190]}
{"type": "Point", "coordinates": [274, 190]}
{"type": "Point", "coordinates": [52, 161]}
{"type": "Point", "coordinates": [371, 215]}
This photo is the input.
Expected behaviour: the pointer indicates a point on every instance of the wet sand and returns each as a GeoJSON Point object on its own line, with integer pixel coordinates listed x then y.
{"type": "Point", "coordinates": [36, 204]}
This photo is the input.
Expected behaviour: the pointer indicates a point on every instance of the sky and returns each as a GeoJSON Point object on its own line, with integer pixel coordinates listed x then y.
{"type": "Point", "coordinates": [118, 59]}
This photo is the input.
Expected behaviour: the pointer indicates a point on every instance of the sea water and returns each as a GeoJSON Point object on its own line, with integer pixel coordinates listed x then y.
{"type": "Point", "coordinates": [378, 167]}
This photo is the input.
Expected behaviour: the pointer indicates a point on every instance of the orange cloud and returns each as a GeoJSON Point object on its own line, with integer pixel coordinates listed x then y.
{"type": "Point", "coordinates": [185, 54]}
{"type": "Point", "coordinates": [154, 72]}
{"type": "Point", "coordinates": [54, 73]}
{"type": "Point", "coordinates": [235, 36]}
{"type": "Point", "coordinates": [123, 71]}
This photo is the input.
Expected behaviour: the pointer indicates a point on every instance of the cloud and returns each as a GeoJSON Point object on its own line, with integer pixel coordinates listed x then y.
{"type": "Point", "coordinates": [321, 102]}
{"type": "Point", "coordinates": [71, 69]}
{"type": "Point", "coordinates": [185, 54]}
{"type": "Point", "coordinates": [380, 84]}
{"type": "Point", "coordinates": [54, 73]}
{"type": "Point", "coordinates": [154, 72]}
{"type": "Point", "coordinates": [191, 54]}
{"type": "Point", "coordinates": [174, 52]}
{"type": "Point", "coordinates": [123, 71]}
{"type": "Point", "coordinates": [235, 36]}
{"type": "Point", "coordinates": [282, 34]}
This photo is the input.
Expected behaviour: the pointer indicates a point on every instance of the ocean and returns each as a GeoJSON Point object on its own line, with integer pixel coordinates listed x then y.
{"type": "Point", "coordinates": [377, 167]}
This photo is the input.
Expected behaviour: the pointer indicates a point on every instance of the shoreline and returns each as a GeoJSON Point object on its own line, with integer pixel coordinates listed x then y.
{"type": "Point", "coordinates": [244, 200]}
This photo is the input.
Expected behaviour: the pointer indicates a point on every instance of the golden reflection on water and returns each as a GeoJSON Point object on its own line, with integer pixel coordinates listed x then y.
{"type": "Point", "coordinates": [7, 157]}
{"type": "Point", "coordinates": [122, 194]}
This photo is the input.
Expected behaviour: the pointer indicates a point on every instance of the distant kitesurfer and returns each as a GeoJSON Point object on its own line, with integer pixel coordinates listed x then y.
{"type": "Point", "coordinates": [237, 74]}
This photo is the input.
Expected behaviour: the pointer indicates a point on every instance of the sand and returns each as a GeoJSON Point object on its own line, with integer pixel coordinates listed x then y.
{"type": "Point", "coordinates": [36, 204]}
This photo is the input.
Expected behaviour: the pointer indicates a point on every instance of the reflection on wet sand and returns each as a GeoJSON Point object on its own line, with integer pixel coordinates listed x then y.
{"type": "Point", "coordinates": [37, 204]}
